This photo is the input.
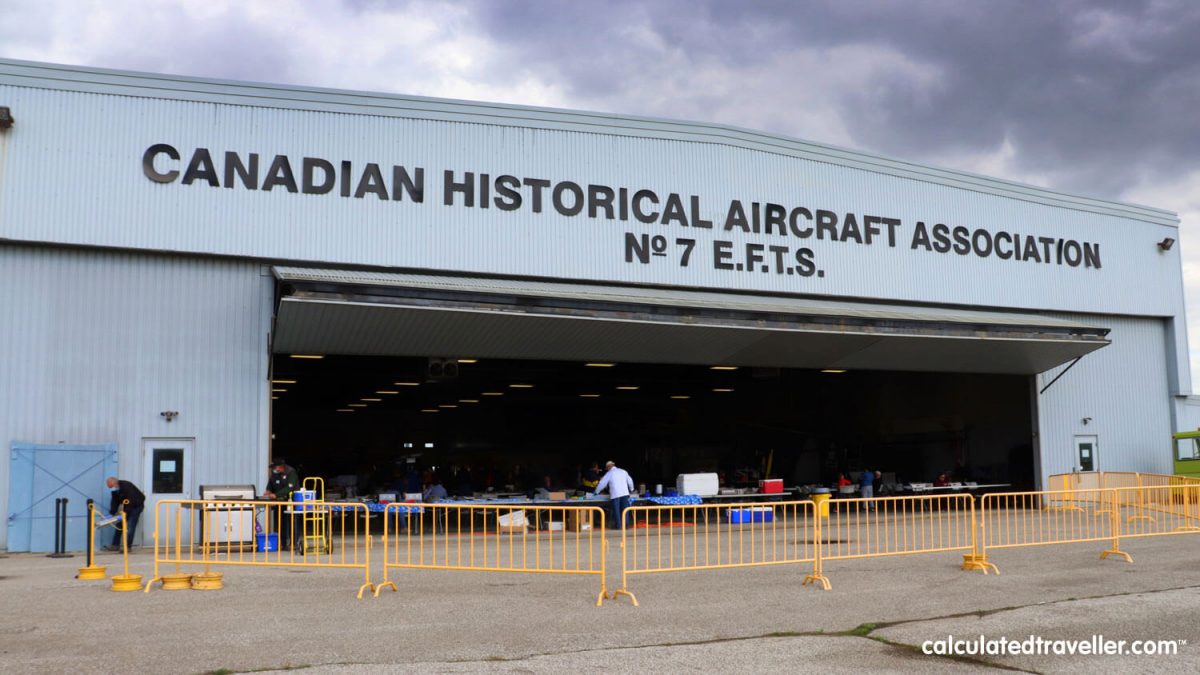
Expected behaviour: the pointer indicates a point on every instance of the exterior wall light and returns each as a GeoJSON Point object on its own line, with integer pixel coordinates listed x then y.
{"type": "Point", "coordinates": [1166, 244]}
{"type": "Point", "coordinates": [6, 118]}
{"type": "Point", "coordinates": [169, 415]}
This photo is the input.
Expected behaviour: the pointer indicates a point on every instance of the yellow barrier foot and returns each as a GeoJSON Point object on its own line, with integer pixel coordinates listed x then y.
{"type": "Point", "coordinates": [384, 585]}
{"type": "Point", "coordinates": [208, 581]}
{"type": "Point", "coordinates": [365, 587]}
{"type": "Point", "coordinates": [621, 591]}
{"type": "Point", "coordinates": [1133, 518]}
{"type": "Point", "coordinates": [814, 579]}
{"type": "Point", "coordinates": [126, 582]}
{"type": "Point", "coordinates": [977, 563]}
{"type": "Point", "coordinates": [1128, 558]}
{"type": "Point", "coordinates": [176, 582]}
{"type": "Point", "coordinates": [150, 584]}
{"type": "Point", "coordinates": [1181, 528]}
{"type": "Point", "coordinates": [92, 572]}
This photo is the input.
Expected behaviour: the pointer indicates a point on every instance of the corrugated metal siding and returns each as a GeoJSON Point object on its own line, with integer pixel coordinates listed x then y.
{"type": "Point", "coordinates": [288, 97]}
{"type": "Point", "coordinates": [1124, 389]}
{"type": "Point", "coordinates": [85, 149]}
{"type": "Point", "coordinates": [94, 345]}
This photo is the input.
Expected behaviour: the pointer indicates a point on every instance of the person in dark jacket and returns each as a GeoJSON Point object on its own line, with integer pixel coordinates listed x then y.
{"type": "Point", "coordinates": [124, 491]}
{"type": "Point", "coordinates": [282, 482]}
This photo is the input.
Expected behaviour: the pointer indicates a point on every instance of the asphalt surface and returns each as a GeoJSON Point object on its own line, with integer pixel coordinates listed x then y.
{"type": "Point", "coordinates": [874, 619]}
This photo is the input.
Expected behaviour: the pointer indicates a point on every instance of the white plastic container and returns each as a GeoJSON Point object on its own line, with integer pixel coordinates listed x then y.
{"type": "Point", "coordinates": [702, 484]}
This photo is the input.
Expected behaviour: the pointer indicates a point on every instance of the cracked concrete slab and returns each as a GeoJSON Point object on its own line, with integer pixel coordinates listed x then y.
{"type": "Point", "coordinates": [1163, 615]}
{"type": "Point", "coordinates": [837, 654]}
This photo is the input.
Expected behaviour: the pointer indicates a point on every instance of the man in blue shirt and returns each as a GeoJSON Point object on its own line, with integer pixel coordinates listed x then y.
{"type": "Point", "coordinates": [619, 485]}
{"type": "Point", "coordinates": [867, 486]}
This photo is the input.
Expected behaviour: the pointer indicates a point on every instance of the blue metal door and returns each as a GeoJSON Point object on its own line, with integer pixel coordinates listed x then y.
{"type": "Point", "coordinates": [39, 474]}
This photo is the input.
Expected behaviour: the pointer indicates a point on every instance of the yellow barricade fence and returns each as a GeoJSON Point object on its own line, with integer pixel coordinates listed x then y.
{"type": "Point", "coordinates": [1012, 519]}
{"type": "Point", "coordinates": [891, 526]}
{"type": "Point", "coordinates": [494, 538]}
{"type": "Point", "coordinates": [659, 539]}
{"type": "Point", "coordinates": [1150, 511]}
{"type": "Point", "coordinates": [208, 534]}
{"type": "Point", "coordinates": [1120, 479]}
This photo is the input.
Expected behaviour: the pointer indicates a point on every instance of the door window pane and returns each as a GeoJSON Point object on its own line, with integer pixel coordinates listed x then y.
{"type": "Point", "coordinates": [1086, 460]}
{"type": "Point", "coordinates": [168, 471]}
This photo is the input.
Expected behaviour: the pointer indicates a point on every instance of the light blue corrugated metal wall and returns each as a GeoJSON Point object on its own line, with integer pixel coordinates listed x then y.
{"type": "Point", "coordinates": [88, 146]}
{"type": "Point", "coordinates": [94, 345]}
{"type": "Point", "coordinates": [1124, 389]}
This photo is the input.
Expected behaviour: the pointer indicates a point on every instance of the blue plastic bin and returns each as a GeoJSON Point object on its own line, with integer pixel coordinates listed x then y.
{"type": "Point", "coordinates": [752, 514]}
{"type": "Point", "coordinates": [267, 542]}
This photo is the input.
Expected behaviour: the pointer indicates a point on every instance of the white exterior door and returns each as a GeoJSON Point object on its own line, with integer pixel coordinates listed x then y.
{"type": "Point", "coordinates": [168, 475]}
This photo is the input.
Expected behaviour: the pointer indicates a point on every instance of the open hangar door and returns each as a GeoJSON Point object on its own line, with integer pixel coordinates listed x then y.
{"type": "Point", "coordinates": [551, 377]}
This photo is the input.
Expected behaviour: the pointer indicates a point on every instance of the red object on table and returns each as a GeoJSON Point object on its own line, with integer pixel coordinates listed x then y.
{"type": "Point", "coordinates": [771, 486]}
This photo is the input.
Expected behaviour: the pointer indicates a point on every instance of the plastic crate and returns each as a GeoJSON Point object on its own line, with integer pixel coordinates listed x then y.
{"type": "Point", "coordinates": [751, 514]}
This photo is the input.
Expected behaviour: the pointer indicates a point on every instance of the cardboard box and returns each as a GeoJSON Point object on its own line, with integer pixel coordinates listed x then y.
{"type": "Point", "coordinates": [556, 496]}
{"type": "Point", "coordinates": [751, 514]}
{"type": "Point", "coordinates": [579, 521]}
{"type": "Point", "coordinates": [771, 486]}
{"type": "Point", "coordinates": [512, 529]}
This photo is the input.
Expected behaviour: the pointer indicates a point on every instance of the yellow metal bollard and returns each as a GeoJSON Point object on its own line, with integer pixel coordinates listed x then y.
{"type": "Point", "coordinates": [92, 571]}
{"type": "Point", "coordinates": [126, 582]}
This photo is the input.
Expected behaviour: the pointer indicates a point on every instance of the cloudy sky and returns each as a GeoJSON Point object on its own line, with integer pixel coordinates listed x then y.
{"type": "Point", "coordinates": [1095, 97]}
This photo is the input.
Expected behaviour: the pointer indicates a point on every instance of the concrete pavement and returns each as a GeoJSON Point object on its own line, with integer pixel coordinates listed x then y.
{"type": "Point", "coordinates": [736, 620]}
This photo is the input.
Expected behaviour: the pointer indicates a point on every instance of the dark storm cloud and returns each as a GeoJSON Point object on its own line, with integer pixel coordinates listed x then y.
{"type": "Point", "coordinates": [1094, 95]}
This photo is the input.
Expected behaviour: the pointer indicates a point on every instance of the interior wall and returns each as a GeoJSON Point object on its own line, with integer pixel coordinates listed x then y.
{"type": "Point", "coordinates": [808, 425]}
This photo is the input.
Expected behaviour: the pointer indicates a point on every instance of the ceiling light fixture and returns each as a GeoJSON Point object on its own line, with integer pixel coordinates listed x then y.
{"type": "Point", "coordinates": [433, 410]}
{"type": "Point", "coordinates": [447, 405]}
{"type": "Point", "coordinates": [520, 386]}
{"type": "Point", "coordinates": [833, 370]}
{"type": "Point", "coordinates": [680, 397]}
{"type": "Point", "coordinates": [283, 382]}
{"type": "Point", "coordinates": [308, 356]}
{"type": "Point", "coordinates": [628, 387]}
{"type": "Point", "coordinates": [279, 391]}
{"type": "Point", "coordinates": [468, 360]}
{"type": "Point", "coordinates": [589, 396]}
{"type": "Point", "coordinates": [723, 368]}
{"type": "Point", "coordinates": [599, 365]}
{"type": "Point", "coordinates": [386, 391]}
{"type": "Point", "coordinates": [407, 384]}
{"type": "Point", "coordinates": [722, 390]}
{"type": "Point", "coordinates": [356, 405]}
{"type": "Point", "coordinates": [274, 398]}
{"type": "Point", "coordinates": [345, 409]}
{"type": "Point", "coordinates": [468, 400]}
{"type": "Point", "coordinates": [371, 400]}
{"type": "Point", "coordinates": [493, 393]}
